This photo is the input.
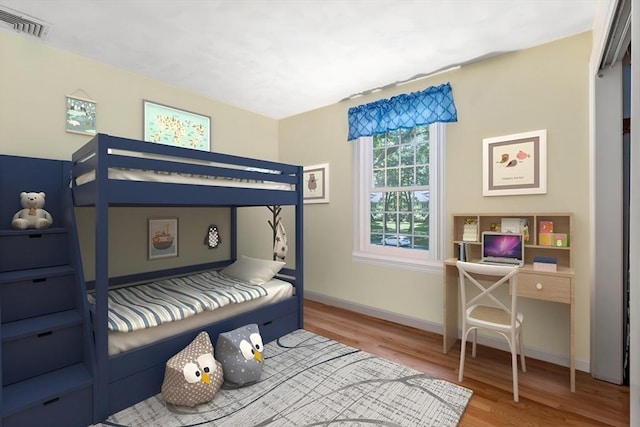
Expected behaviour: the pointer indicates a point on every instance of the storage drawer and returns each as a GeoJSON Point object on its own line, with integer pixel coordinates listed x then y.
{"type": "Point", "coordinates": [37, 296]}
{"type": "Point", "coordinates": [36, 354]}
{"type": "Point", "coordinates": [33, 250]}
{"type": "Point", "coordinates": [548, 288]}
{"type": "Point", "coordinates": [67, 410]}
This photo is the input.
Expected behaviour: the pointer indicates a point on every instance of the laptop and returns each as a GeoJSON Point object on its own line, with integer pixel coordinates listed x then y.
{"type": "Point", "coordinates": [502, 248]}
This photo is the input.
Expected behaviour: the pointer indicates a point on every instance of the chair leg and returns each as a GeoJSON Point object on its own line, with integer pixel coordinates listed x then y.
{"type": "Point", "coordinates": [514, 368]}
{"type": "Point", "coordinates": [522, 362]}
{"type": "Point", "coordinates": [463, 347]}
{"type": "Point", "coordinates": [475, 340]}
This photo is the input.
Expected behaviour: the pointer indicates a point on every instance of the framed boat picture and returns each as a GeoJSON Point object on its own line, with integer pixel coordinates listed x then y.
{"type": "Point", "coordinates": [163, 238]}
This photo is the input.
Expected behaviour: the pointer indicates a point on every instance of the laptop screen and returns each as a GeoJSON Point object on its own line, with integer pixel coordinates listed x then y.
{"type": "Point", "coordinates": [502, 245]}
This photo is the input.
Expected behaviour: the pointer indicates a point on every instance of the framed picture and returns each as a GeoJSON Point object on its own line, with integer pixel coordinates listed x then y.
{"type": "Point", "coordinates": [171, 126]}
{"type": "Point", "coordinates": [162, 238]}
{"type": "Point", "coordinates": [316, 183]}
{"type": "Point", "coordinates": [515, 164]}
{"type": "Point", "coordinates": [81, 116]}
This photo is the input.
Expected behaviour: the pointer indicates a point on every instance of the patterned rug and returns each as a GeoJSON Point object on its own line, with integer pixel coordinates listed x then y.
{"type": "Point", "coordinates": [310, 380]}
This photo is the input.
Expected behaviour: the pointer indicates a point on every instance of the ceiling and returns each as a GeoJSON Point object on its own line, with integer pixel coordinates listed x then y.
{"type": "Point", "coordinates": [284, 57]}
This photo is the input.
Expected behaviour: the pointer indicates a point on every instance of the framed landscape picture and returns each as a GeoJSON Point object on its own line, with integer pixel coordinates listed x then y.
{"type": "Point", "coordinates": [172, 126]}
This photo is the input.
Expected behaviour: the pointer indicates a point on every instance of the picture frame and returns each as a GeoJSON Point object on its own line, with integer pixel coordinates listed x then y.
{"type": "Point", "coordinates": [316, 183]}
{"type": "Point", "coordinates": [162, 238]}
{"type": "Point", "coordinates": [515, 164]}
{"type": "Point", "coordinates": [80, 115]}
{"type": "Point", "coordinates": [167, 125]}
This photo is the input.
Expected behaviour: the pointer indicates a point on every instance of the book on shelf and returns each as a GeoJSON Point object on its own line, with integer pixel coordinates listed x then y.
{"type": "Point", "coordinates": [545, 263]}
{"type": "Point", "coordinates": [546, 226]}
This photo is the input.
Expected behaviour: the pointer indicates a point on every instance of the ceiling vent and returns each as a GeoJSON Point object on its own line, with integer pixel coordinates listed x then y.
{"type": "Point", "coordinates": [23, 23]}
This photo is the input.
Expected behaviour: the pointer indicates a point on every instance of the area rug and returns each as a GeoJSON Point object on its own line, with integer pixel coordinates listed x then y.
{"type": "Point", "coordinates": [310, 380]}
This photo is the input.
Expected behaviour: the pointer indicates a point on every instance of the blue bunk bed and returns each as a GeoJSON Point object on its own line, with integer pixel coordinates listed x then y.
{"type": "Point", "coordinates": [101, 179]}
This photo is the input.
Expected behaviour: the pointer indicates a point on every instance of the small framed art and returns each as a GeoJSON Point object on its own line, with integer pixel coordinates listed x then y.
{"type": "Point", "coordinates": [162, 238]}
{"type": "Point", "coordinates": [172, 126]}
{"type": "Point", "coordinates": [316, 183]}
{"type": "Point", "coordinates": [81, 116]}
{"type": "Point", "coordinates": [515, 164]}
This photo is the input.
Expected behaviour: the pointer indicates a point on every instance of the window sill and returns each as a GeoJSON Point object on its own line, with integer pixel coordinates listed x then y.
{"type": "Point", "coordinates": [397, 262]}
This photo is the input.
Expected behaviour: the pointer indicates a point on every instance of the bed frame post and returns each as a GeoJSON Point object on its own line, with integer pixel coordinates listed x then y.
{"type": "Point", "coordinates": [300, 247]}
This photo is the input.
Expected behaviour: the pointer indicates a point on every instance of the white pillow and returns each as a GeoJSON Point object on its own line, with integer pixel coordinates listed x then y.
{"type": "Point", "coordinates": [253, 270]}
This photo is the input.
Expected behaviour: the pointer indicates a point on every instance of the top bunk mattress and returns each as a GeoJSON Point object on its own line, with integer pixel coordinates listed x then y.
{"type": "Point", "coordinates": [183, 178]}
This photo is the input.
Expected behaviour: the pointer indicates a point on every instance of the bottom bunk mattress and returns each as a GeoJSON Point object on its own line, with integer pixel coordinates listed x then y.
{"type": "Point", "coordinates": [141, 314]}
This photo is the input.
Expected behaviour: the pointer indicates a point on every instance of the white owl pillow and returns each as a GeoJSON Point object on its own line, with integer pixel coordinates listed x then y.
{"type": "Point", "coordinates": [240, 353]}
{"type": "Point", "coordinates": [192, 376]}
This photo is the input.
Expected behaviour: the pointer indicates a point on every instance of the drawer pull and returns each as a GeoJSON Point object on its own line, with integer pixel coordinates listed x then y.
{"type": "Point", "coordinates": [267, 323]}
{"type": "Point", "coordinates": [35, 236]}
{"type": "Point", "coordinates": [45, 334]}
{"type": "Point", "coordinates": [49, 402]}
{"type": "Point", "coordinates": [43, 279]}
{"type": "Point", "coordinates": [539, 286]}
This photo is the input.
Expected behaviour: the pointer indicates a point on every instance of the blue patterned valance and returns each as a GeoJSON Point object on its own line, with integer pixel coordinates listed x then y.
{"type": "Point", "coordinates": [434, 104]}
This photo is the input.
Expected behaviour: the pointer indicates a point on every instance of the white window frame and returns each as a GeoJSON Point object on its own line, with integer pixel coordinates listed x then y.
{"type": "Point", "coordinates": [363, 250]}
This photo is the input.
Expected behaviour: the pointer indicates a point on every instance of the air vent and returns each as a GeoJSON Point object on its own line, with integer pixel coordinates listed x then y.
{"type": "Point", "coordinates": [23, 23]}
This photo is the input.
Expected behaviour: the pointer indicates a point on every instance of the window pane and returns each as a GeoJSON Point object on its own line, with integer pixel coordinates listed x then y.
{"type": "Point", "coordinates": [377, 202]}
{"type": "Point", "coordinates": [390, 223]}
{"type": "Point", "coordinates": [393, 157]}
{"type": "Point", "coordinates": [407, 177]}
{"type": "Point", "coordinates": [422, 175]}
{"type": "Point", "coordinates": [378, 158]}
{"type": "Point", "coordinates": [393, 177]}
{"type": "Point", "coordinates": [406, 224]}
{"type": "Point", "coordinates": [378, 178]}
{"type": "Point", "coordinates": [406, 200]}
{"type": "Point", "coordinates": [407, 154]}
{"type": "Point", "coordinates": [422, 153]}
{"type": "Point", "coordinates": [390, 201]}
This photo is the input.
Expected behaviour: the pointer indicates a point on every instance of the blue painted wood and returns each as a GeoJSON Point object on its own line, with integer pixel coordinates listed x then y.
{"type": "Point", "coordinates": [46, 359]}
{"type": "Point", "coordinates": [129, 377]}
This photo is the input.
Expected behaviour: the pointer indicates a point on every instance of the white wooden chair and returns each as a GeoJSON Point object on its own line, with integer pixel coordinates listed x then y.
{"type": "Point", "coordinates": [486, 311]}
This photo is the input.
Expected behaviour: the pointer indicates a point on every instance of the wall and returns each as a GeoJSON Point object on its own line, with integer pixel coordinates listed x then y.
{"type": "Point", "coordinates": [545, 87]}
{"type": "Point", "coordinates": [35, 81]}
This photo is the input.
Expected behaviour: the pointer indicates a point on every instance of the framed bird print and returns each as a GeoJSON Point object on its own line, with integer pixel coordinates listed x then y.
{"type": "Point", "coordinates": [316, 183]}
{"type": "Point", "coordinates": [515, 164]}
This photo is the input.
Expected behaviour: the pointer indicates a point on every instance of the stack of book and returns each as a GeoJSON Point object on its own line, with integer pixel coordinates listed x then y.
{"type": "Point", "coordinates": [545, 263]}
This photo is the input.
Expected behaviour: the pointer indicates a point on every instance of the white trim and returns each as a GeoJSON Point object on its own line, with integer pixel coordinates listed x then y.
{"type": "Point", "coordinates": [418, 260]}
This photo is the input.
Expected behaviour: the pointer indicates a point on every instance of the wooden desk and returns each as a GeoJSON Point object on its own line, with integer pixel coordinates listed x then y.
{"type": "Point", "coordinates": [542, 285]}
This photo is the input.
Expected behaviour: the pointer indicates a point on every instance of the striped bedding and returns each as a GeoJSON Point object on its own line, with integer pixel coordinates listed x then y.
{"type": "Point", "coordinates": [151, 304]}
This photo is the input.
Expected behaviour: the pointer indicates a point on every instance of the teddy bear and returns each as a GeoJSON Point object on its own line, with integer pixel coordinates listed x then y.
{"type": "Point", "coordinates": [32, 215]}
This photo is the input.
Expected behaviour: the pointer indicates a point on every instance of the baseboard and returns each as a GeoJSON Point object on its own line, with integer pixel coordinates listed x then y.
{"type": "Point", "coordinates": [557, 359]}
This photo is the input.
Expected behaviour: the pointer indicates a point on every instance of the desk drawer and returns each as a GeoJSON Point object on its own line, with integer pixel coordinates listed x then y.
{"type": "Point", "coordinates": [548, 288]}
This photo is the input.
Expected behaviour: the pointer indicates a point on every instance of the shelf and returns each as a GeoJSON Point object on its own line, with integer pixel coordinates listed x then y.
{"type": "Point", "coordinates": [562, 223]}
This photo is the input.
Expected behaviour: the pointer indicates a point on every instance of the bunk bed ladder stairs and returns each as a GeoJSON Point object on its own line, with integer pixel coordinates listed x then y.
{"type": "Point", "coordinates": [45, 348]}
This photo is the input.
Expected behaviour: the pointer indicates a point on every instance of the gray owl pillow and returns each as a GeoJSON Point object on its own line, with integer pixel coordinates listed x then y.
{"type": "Point", "coordinates": [240, 353]}
{"type": "Point", "coordinates": [192, 376]}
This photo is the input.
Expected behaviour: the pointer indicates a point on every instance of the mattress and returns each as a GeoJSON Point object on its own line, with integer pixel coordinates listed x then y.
{"type": "Point", "coordinates": [183, 178]}
{"type": "Point", "coordinates": [277, 290]}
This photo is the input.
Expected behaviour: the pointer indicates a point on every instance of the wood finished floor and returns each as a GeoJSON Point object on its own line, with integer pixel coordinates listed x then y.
{"type": "Point", "coordinates": [545, 398]}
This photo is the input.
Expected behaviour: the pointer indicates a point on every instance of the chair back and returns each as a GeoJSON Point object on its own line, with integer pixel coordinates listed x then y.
{"type": "Point", "coordinates": [488, 279]}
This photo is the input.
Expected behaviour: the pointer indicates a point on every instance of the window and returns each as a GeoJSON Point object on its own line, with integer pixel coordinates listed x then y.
{"type": "Point", "coordinates": [398, 212]}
